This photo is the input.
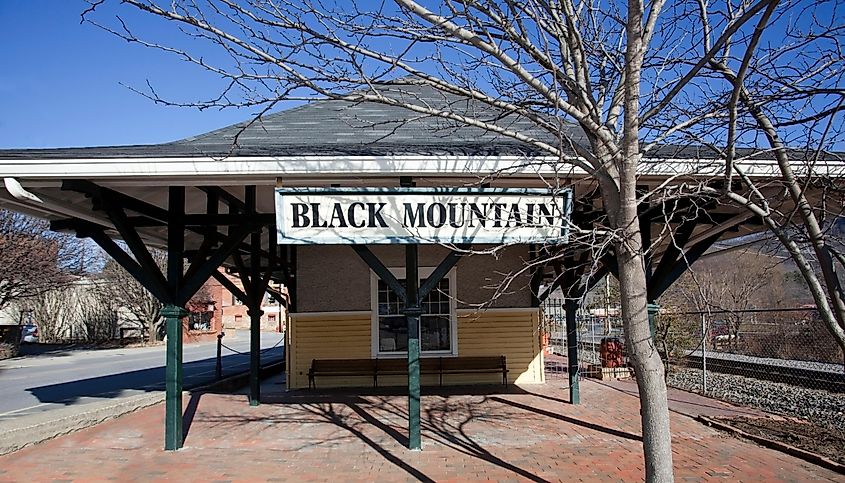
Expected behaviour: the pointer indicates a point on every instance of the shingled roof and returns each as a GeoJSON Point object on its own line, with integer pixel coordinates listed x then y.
{"type": "Point", "coordinates": [340, 128]}
{"type": "Point", "coordinates": [331, 127]}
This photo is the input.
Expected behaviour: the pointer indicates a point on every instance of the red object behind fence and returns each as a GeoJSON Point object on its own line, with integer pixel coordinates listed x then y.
{"type": "Point", "coordinates": [611, 352]}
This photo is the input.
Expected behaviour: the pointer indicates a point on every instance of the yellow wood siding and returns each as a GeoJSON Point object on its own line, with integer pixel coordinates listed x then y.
{"type": "Point", "coordinates": [328, 335]}
{"type": "Point", "coordinates": [513, 333]}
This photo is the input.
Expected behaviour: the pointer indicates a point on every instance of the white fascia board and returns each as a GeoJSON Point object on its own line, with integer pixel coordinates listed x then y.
{"type": "Point", "coordinates": [271, 166]}
{"type": "Point", "coordinates": [293, 166]}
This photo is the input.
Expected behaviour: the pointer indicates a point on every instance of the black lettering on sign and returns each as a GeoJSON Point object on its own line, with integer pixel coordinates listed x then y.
{"type": "Point", "coordinates": [352, 217]}
{"type": "Point", "coordinates": [546, 212]}
{"type": "Point", "coordinates": [436, 215]}
{"type": "Point", "coordinates": [476, 213]}
{"type": "Point", "coordinates": [375, 214]}
{"type": "Point", "coordinates": [529, 215]}
{"type": "Point", "coordinates": [453, 215]}
{"type": "Point", "coordinates": [514, 216]}
{"type": "Point", "coordinates": [299, 211]}
{"type": "Point", "coordinates": [317, 222]}
{"type": "Point", "coordinates": [414, 215]}
{"type": "Point", "coordinates": [338, 217]}
{"type": "Point", "coordinates": [497, 215]}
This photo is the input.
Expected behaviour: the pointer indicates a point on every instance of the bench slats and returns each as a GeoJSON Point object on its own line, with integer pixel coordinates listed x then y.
{"type": "Point", "coordinates": [428, 365]}
{"type": "Point", "coordinates": [472, 363]}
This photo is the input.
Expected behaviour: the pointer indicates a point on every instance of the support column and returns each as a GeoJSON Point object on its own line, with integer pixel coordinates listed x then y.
{"type": "Point", "coordinates": [173, 377]}
{"type": "Point", "coordinates": [256, 295]}
{"type": "Point", "coordinates": [254, 355]}
{"type": "Point", "coordinates": [411, 294]}
{"type": "Point", "coordinates": [173, 314]}
{"type": "Point", "coordinates": [572, 351]}
{"type": "Point", "coordinates": [412, 314]}
{"type": "Point", "coordinates": [653, 310]}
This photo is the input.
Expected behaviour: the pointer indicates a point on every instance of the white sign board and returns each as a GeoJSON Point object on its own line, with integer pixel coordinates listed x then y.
{"type": "Point", "coordinates": [421, 215]}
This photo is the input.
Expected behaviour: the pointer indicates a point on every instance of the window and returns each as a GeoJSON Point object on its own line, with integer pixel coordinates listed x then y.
{"type": "Point", "coordinates": [200, 321]}
{"type": "Point", "coordinates": [438, 331]}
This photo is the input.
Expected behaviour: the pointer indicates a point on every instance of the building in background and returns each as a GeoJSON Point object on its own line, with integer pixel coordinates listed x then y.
{"type": "Point", "coordinates": [233, 313]}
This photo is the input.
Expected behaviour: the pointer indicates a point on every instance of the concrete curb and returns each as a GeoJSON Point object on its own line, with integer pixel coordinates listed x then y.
{"type": "Point", "coordinates": [18, 433]}
{"type": "Point", "coordinates": [805, 455]}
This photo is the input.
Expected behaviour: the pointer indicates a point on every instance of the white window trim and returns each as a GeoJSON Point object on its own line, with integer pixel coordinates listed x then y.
{"type": "Point", "coordinates": [424, 272]}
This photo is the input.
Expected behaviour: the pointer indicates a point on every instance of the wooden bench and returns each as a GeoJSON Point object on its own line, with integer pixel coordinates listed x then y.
{"type": "Point", "coordinates": [398, 367]}
{"type": "Point", "coordinates": [340, 367]}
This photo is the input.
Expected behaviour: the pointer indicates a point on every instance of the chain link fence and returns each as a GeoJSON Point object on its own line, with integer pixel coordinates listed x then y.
{"type": "Point", "coordinates": [781, 360]}
{"type": "Point", "coordinates": [790, 346]}
{"type": "Point", "coordinates": [593, 330]}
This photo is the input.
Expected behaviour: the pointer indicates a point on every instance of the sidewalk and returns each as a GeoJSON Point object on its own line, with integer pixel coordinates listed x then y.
{"type": "Point", "coordinates": [524, 434]}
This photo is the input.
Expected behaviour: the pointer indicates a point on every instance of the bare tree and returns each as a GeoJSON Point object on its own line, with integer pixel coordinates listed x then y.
{"type": "Point", "coordinates": [76, 311]}
{"type": "Point", "coordinates": [732, 284]}
{"type": "Point", "coordinates": [789, 94]}
{"type": "Point", "coordinates": [132, 297]}
{"type": "Point", "coordinates": [49, 309]}
{"type": "Point", "coordinates": [33, 259]}
{"type": "Point", "coordinates": [629, 76]}
{"type": "Point", "coordinates": [675, 334]}
{"type": "Point", "coordinates": [98, 313]}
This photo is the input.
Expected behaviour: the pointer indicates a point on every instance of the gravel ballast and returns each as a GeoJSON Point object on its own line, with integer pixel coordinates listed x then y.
{"type": "Point", "coordinates": [821, 407]}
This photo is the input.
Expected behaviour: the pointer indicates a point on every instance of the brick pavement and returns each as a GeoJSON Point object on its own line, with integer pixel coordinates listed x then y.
{"type": "Point", "coordinates": [526, 434]}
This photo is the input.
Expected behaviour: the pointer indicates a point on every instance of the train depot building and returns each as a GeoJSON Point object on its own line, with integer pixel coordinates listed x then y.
{"type": "Point", "coordinates": [395, 235]}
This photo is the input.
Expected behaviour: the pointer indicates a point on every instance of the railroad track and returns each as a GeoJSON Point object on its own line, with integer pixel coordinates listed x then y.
{"type": "Point", "coordinates": [813, 375]}
{"type": "Point", "coordinates": [799, 373]}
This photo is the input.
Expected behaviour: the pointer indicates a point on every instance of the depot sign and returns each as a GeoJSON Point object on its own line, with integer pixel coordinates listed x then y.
{"type": "Point", "coordinates": [421, 215]}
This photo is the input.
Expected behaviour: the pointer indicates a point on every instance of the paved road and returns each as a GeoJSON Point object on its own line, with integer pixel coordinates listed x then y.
{"type": "Point", "coordinates": [38, 383]}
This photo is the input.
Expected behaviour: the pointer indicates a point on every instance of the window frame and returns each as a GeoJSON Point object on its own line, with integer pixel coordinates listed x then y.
{"type": "Point", "coordinates": [399, 273]}
{"type": "Point", "coordinates": [206, 314]}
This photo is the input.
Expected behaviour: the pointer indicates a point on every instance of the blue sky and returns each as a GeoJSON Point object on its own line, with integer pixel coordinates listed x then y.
{"type": "Point", "coordinates": [60, 83]}
{"type": "Point", "coordinates": [60, 80]}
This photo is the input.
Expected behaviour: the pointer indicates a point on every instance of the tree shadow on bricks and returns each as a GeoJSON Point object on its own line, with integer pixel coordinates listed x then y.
{"type": "Point", "coordinates": [447, 417]}
{"type": "Point", "coordinates": [449, 421]}
{"type": "Point", "coordinates": [344, 411]}
{"type": "Point", "coordinates": [584, 424]}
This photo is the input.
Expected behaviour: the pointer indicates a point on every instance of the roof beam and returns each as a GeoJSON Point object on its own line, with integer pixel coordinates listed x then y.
{"type": "Point", "coordinates": [231, 200]}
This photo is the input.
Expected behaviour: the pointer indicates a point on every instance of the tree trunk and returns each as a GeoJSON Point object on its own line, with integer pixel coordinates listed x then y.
{"type": "Point", "coordinates": [648, 368]}
{"type": "Point", "coordinates": [154, 325]}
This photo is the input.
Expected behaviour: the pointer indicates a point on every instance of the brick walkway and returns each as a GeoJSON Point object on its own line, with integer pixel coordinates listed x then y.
{"type": "Point", "coordinates": [523, 435]}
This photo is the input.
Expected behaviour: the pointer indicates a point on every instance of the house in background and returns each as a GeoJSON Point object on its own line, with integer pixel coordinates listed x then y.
{"type": "Point", "coordinates": [233, 313]}
{"type": "Point", "coordinates": [215, 309]}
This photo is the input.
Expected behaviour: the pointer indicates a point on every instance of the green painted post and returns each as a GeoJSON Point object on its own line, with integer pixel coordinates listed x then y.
{"type": "Point", "coordinates": [412, 314]}
{"type": "Point", "coordinates": [173, 314]}
{"type": "Point", "coordinates": [173, 377]}
{"type": "Point", "coordinates": [572, 351]}
{"type": "Point", "coordinates": [254, 355]}
{"type": "Point", "coordinates": [256, 295]}
{"type": "Point", "coordinates": [653, 309]}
